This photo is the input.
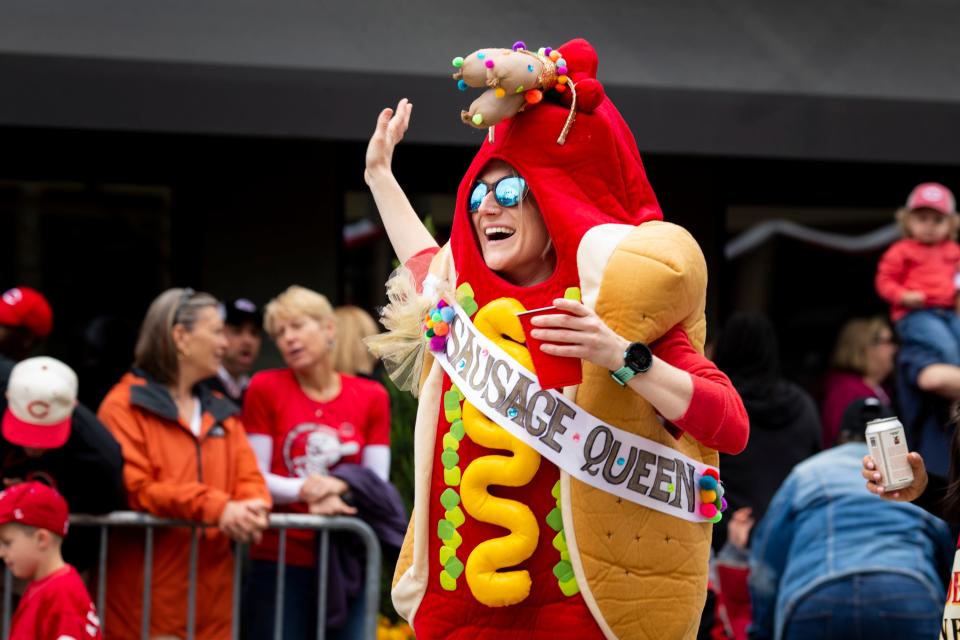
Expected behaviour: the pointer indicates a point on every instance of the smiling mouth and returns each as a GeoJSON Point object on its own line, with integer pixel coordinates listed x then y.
{"type": "Point", "coordinates": [497, 234]}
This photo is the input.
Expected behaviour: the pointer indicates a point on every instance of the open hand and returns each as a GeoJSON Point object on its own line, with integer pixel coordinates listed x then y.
{"type": "Point", "coordinates": [906, 494]}
{"type": "Point", "coordinates": [317, 487]}
{"type": "Point", "coordinates": [582, 334]}
{"type": "Point", "coordinates": [738, 530]}
{"type": "Point", "coordinates": [391, 125]}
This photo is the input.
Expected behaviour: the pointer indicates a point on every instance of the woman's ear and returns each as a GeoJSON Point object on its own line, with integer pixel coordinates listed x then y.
{"type": "Point", "coordinates": [179, 334]}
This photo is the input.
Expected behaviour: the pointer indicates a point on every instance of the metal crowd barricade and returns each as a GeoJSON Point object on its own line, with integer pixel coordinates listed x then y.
{"type": "Point", "coordinates": [281, 521]}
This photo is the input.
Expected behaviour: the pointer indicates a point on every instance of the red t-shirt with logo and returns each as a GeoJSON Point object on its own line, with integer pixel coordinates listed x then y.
{"type": "Point", "coordinates": [57, 607]}
{"type": "Point", "coordinates": [311, 437]}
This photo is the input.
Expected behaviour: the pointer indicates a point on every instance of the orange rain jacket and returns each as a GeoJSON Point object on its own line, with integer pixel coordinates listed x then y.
{"type": "Point", "coordinates": [169, 472]}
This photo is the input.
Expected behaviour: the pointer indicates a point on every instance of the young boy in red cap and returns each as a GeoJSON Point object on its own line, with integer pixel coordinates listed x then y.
{"type": "Point", "coordinates": [56, 605]}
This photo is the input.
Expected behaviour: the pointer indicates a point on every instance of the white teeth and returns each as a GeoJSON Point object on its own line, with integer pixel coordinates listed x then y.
{"type": "Point", "coordinates": [507, 231]}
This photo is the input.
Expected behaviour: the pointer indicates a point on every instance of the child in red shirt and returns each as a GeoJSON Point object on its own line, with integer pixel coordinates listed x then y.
{"type": "Point", "coordinates": [917, 275]}
{"type": "Point", "coordinates": [56, 605]}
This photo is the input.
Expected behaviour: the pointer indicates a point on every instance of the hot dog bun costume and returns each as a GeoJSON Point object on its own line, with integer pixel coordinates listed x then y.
{"type": "Point", "coordinates": [502, 543]}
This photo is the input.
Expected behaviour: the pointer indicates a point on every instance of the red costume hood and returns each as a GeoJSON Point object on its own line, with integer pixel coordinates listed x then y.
{"type": "Point", "coordinates": [595, 178]}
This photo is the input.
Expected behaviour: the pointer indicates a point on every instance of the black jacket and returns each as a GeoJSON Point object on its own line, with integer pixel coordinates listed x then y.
{"type": "Point", "coordinates": [87, 470]}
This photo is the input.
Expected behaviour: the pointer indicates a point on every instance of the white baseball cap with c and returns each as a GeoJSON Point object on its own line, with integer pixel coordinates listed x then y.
{"type": "Point", "coordinates": [41, 396]}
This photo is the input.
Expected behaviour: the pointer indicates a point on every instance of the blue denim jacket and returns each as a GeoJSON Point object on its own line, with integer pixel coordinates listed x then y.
{"type": "Point", "coordinates": [823, 524]}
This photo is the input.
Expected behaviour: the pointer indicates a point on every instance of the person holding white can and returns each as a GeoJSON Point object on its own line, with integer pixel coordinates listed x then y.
{"type": "Point", "coordinates": [828, 560]}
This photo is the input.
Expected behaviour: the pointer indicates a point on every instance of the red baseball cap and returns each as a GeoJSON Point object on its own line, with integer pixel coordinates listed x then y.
{"type": "Point", "coordinates": [25, 307]}
{"type": "Point", "coordinates": [41, 397]}
{"type": "Point", "coordinates": [34, 504]}
{"type": "Point", "coordinates": [932, 195]}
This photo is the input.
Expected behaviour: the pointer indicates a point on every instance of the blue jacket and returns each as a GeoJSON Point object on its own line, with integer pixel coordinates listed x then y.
{"type": "Point", "coordinates": [823, 524]}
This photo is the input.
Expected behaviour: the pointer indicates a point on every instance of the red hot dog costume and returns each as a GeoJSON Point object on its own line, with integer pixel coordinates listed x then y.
{"type": "Point", "coordinates": [502, 542]}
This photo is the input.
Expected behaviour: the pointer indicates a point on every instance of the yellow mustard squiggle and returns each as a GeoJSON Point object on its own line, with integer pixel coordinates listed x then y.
{"type": "Point", "coordinates": [490, 586]}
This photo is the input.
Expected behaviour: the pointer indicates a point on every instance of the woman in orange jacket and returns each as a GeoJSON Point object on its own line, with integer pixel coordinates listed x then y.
{"type": "Point", "coordinates": [186, 456]}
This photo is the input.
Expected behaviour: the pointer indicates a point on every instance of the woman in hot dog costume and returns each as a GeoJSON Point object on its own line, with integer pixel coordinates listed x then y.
{"type": "Point", "coordinates": [555, 209]}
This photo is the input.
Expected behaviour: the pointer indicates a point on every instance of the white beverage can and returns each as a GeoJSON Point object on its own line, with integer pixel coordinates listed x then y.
{"type": "Point", "coordinates": [888, 447]}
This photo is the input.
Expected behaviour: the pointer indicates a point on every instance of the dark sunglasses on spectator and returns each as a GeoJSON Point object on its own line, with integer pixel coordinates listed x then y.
{"type": "Point", "coordinates": [508, 192]}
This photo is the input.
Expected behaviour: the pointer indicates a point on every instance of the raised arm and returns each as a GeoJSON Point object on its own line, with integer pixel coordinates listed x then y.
{"type": "Point", "coordinates": [406, 231]}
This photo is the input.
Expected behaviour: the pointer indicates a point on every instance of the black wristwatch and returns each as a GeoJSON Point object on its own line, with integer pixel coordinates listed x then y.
{"type": "Point", "coordinates": [636, 359]}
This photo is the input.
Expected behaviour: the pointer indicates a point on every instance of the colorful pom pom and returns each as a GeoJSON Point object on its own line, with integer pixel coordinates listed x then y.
{"type": "Point", "coordinates": [447, 314]}
{"type": "Point", "coordinates": [436, 317]}
{"type": "Point", "coordinates": [430, 333]}
{"type": "Point", "coordinates": [489, 64]}
{"type": "Point", "coordinates": [705, 496]}
{"type": "Point", "coordinates": [717, 518]}
{"type": "Point", "coordinates": [713, 473]}
{"type": "Point", "coordinates": [561, 88]}
{"type": "Point", "coordinates": [563, 79]}
{"type": "Point", "coordinates": [708, 483]}
{"type": "Point", "coordinates": [562, 70]}
{"type": "Point", "coordinates": [441, 329]}
{"type": "Point", "coordinates": [500, 92]}
{"type": "Point", "coordinates": [707, 510]}
{"type": "Point", "coordinates": [458, 62]}
{"type": "Point", "coordinates": [477, 119]}
{"type": "Point", "coordinates": [720, 490]}
{"type": "Point", "coordinates": [533, 96]}
{"type": "Point", "coordinates": [554, 55]}
{"type": "Point", "coordinates": [438, 343]}
{"type": "Point", "coordinates": [518, 45]}
{"type": "Point", "coordinates": [723, 504]}
{"type": "Point", "coordinates": [561, 62]}
{"type": "Point", "coordinates": [547, 51]}
{"type": "Point", "coordinates": [441, 304]}
{"type": "Point", "coordinates": [462, 85]}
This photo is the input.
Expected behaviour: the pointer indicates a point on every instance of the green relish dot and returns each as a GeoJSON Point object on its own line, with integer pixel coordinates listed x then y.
{"type": "Point", "coordinates": [569, 587]}
{"type": "Point", "coordinates": [451, 477]}
{"type": "Point", "coordinates": [449, 458]}
{"type": "Point", "coordinates": [449, 498]}
{"type": "Point", "coordinates": [445, 530]}
{"type": "Point", "coordinates": [449, 442]}
{"type": "Point", "coordinates": [451, 399]}
{"type": "Point", "coordinates": [455, 516]}
{"type": "Point", "coordinates": [563, 570]}
{"type": "Point", "coordinates": [448, 583]}
{"type": "Point", "coordinates": [454, 567]}
{"type": "Point", "coordinates": [452, 414]}
{"type": "Point", "coordinates": [555, 492]}
{"type": "Point", "coordinates": [457, 430]}
{"type": "Point", "coordinates": [555, 519]}
{"type": "Point", "coordinates": [565, 555]}
{"type": "Point", "coordinates": [465, 290]}
{"type": "Point", "coordinates": [469, 305]}
{"type": "Point", "coordinates": [560, 542]}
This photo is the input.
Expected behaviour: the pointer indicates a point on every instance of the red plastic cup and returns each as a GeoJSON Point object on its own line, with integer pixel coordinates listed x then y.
{"type": "Point", "coordinates": [553, 371]}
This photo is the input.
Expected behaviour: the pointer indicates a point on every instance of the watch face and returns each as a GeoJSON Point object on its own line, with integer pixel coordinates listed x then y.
{"type": "Point", "coordinates": [638, 357]}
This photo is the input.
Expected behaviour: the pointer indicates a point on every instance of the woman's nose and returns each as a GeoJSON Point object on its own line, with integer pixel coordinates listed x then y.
{"type": "Point", "coordinates": [489, 203]}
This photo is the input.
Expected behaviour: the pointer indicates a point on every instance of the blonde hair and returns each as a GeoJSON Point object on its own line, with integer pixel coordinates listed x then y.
{"type": "Point", "coordinates": [350, 354]}
{"type": "Point", "coordinates": [953, 220]}
{"type": "Point", "coordinates": [156, 352]}
{"type": "Point", "coordinates": [297, 300]}
{"type": "Point", "coordinates": [856, 336]}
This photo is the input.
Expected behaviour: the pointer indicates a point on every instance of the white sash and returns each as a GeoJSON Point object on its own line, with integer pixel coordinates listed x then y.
{"type": "Point", "coordinates": [606, 457]}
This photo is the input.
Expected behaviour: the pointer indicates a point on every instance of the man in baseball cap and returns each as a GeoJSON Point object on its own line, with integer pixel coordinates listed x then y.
{"type": "Point", "coordinates": [242, 322]}
{"type": "Point", "coordinates": [46, 435]}
{"type": "Point", "coordinates": [25, 319]}
{"type": "Point", "coordinates": [33, 522]}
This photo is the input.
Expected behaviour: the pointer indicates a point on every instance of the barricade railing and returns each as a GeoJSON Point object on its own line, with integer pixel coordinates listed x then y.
{"type": "Point", "coordinates": [280, 521]}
